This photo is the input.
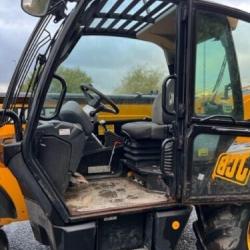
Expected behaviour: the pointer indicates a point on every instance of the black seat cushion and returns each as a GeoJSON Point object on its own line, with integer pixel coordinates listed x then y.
{"type": "Point", "coordinates": [145, 130]}
{"type": "Point", "coordinates": [149, 130]}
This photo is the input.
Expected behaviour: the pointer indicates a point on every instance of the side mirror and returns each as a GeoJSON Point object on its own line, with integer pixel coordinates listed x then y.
{"type": "Point", "coordinates": [54, 98]}
{"type": "Point", "coordinates": [168, 95]}
{"type": "Point", "coordinates": [38, 8]}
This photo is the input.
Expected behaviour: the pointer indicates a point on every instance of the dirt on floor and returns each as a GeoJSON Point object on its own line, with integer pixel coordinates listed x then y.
{"type": "Point", "coordinates": [111, 194]}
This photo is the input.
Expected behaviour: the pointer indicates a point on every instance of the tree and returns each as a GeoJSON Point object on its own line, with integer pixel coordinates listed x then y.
{"type": "Point", "coordinates": [74, 77]}
{"type": "Point", "coordinates": [141, 79]}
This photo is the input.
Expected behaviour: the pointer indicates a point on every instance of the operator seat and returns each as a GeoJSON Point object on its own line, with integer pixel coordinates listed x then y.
{"type": "Point", "coordinates": [142, 149]}
{"type": "Point", "coordinates": [62, 143]}
{"type": "Point", "coordinates": [155, 129]}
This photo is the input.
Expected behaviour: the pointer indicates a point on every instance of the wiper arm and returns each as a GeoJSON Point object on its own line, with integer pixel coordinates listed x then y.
{"type": "Point", "coordinates": [220, 78]}
{"type": "Point", "coordinates": [226, 117]}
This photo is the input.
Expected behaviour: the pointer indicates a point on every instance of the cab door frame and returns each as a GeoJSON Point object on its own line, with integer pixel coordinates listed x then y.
{"type": "Point", "coordinates": [193, 125]}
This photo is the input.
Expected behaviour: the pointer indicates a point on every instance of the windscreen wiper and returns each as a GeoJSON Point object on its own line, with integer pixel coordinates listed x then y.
{"type": "Point", "coordinates": [220, 78]}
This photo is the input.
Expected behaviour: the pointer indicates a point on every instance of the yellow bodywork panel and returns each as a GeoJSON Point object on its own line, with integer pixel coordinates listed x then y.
{"type": "Point", "coordinates": [128, 112]}
{"type": "Point", "coordinates": [9, 183]}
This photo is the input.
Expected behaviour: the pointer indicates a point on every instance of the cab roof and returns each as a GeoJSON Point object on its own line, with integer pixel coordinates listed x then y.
{"type": "Point", "coordinates": [123, 17]}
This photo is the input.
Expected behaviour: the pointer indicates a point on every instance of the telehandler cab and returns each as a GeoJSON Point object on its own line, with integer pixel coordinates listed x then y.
{"type": "Point", "coordinates": [132, 186]}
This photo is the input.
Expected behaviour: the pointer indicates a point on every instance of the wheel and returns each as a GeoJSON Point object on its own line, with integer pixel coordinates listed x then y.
{"type": "Point", "coordinates": [3, 241]}
{"type": "Point", "coordinates": [223, 227]}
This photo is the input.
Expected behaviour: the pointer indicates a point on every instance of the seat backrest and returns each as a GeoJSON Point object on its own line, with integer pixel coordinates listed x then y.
{"type": "Point", "coordinates": [157, 112]}
{"type": "Point", "coordinates": [59, 147]}
{"type": "Point", "coordinates": [72, 112]}
{"type": "Point", "coordinates": [158, 116]}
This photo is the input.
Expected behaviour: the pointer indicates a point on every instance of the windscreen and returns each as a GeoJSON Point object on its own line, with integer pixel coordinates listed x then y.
{"type": "Point", "coordinates": [115, 66]}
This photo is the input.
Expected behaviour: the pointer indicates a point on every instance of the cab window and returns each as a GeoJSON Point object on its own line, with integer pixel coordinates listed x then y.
{"type": "Point", "coordinates": [222, 78]}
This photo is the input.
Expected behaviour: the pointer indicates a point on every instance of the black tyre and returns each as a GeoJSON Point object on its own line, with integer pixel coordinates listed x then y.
{"type": "Point", "coordinates": [223, 227]}
{"type": "Point", "coordinates": [3, 241]}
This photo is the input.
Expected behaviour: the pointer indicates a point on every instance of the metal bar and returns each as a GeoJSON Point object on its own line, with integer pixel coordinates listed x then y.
{"type": "Point", "coordinates": [128, 8]}
{"type": "Point", "coordinates": [111, 26]}
{"type": "Point", "coordinates": [104, 16]}
{"type": "Point", "coordinates": [106, 32]}
{"type": "Point", "coordinates": [124, 25]}
{"type": "Point", "coordinates": [139, 12]}
{"type": "Point", "coordinates": [135, 26]}
{"type": "Point", "coordinates": [94, 12]}
{"type": "Point", "coordinates": [115, 6]}
{"type": "Point", "coordinates": [104, 19]}
{"type": "Point", "coordinates": [144, 7]}
{"type": "Point", "coordinates": [149, 16]}
{"type": "Point", "coordinates": [94, 8]}
{"type": "Point", "coordinates": [111, 11]}
{"type": "Point", "coordinates": [158, 8]}
{"type": "Point", "coordinates": [125, 16]}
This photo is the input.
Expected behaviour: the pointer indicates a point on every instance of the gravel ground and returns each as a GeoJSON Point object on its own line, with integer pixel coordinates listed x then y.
{"type": "Point", "coordinates": [21, 238]}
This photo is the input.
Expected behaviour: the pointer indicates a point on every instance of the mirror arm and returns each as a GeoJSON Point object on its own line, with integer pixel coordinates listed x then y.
{"type": "Point", "coordinates": [17, 122]}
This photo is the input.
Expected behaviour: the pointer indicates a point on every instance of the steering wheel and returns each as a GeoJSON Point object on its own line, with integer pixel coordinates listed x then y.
{"type": "Point", "coordinates": [99, 101]}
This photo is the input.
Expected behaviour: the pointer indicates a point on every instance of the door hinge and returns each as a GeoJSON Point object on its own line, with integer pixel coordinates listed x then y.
{"type": "Point", "coordinates": [181, 111]}
{"type": "Point", "coordinates": [179, 192]}
{"type": "Point", "coordinates": [180, 143]}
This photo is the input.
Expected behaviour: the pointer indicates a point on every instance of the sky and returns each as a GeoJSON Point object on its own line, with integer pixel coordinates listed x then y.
{"type": "Point", "coordinates": [106, 60]}
{"type": "Point", "coordinates": [16, 26]}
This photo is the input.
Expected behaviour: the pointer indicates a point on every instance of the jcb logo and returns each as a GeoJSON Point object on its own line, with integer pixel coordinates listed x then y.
{"type": "Point", "coordinates": [232, 167]}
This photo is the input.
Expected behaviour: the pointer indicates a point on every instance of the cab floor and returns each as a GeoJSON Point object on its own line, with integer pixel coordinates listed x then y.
{"type": "Point", "coordinates": [110, 195]}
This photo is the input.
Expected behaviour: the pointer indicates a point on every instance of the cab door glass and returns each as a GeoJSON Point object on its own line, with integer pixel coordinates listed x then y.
{"type": "Point", "coordinates": [242, 48]}
{"type": "Point", "coordinates": [213, 95]}
{"type": "Point", "coordinates": [222, 75]}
